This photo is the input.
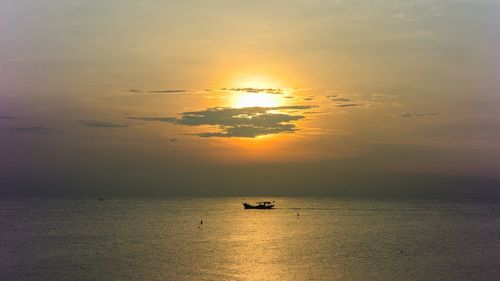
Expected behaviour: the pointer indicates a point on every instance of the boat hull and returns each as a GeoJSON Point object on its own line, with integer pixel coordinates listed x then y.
{"type": "Point", "coordinates": [257, 207]}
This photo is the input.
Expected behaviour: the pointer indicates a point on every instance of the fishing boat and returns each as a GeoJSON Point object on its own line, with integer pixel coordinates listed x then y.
{"type": "Point", "coordinates": [260, 205]}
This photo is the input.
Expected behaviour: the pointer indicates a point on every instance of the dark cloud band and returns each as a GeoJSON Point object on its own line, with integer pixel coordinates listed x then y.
{"type": "Point", "coordinates": [248, 122]}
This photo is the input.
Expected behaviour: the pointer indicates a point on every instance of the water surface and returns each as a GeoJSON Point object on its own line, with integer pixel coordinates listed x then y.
{"type": "Point", "coordinates": [330, 239]}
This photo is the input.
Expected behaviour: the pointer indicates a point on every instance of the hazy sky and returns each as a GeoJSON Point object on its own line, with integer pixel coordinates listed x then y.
{"type": "Point", "coordinates": [364, 98]}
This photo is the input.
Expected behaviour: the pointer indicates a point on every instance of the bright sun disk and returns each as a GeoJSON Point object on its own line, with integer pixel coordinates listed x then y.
{"type": "Point", "coordinates": [241, 100]}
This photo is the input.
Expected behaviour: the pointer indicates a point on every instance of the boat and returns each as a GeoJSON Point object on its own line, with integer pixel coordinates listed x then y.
{"type": "Point", "coordinates": [264, 205]}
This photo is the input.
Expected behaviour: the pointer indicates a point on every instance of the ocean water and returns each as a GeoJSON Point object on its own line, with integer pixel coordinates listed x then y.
{"type": "Point", "coordinates": [330, 239]}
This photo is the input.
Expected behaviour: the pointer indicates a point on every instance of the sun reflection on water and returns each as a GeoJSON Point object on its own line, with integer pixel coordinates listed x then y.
{"type": "Point", "coordinates": [257, 251]}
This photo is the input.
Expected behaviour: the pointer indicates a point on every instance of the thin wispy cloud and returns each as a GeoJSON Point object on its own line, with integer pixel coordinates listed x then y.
{"type": "Point", "coordinates": [101, 124]}
{"type": "Point", "coordinates": [406, 115]}
{"type": "Point", "coordinates": [276, 91]}
{"type": "Point", "coordinates": [34, 130]}
{"type": "Point", "coordinates": [315, 112]}
{"type": "Point", "coordinates": [348, 105]}
{"type": "Point", "coordinates": [166, 91]}
{"type": "Point", "coordinates": [367, 101]}
{"type": "Point", "coordinates": [152, 118]}
{"type": "Point", "coordinates": [7, 117]}
{"type": "Point", "coordinates": [340, 99]}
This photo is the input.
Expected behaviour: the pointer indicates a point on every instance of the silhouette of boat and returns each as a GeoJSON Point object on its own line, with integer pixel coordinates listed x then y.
{"type": "Point", "coordinates": [260, 205]}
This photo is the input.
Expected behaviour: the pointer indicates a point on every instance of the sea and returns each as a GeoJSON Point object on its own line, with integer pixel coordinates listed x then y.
{"type": "Point", "coordinates": [64, 239]}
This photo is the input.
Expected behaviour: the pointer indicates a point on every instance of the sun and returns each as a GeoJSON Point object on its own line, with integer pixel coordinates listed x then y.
{"type": "Point", "coordinates": [256, 90]}
{"type": "Point", "coordinates": [245, 99]}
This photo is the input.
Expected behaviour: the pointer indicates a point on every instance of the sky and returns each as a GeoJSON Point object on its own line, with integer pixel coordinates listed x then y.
{"type": "Point", "coordinates": [221, 97]}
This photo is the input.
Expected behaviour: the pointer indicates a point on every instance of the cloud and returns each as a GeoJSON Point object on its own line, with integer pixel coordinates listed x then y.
{"type": "Point", "coordinates": [244, 131]}
{"type": "Point", "coordinates": [161, 119]}
{"type": "Point", "coordinates": [340, 99]}
{"type": "Point", "coordinates": [247, 122]}
{"type": "Point", "coordinates": [36, 130]}
{"type": "Point", "coordinates": [174, 91]}
{"type": "Point", "coordinates": [276, 91]}
{"type": "Point", "coordinates": [367, 101]}
{"type": "Point", "coordinates": [256, 90]}
{"type": "Point", "coordinates": [101, 124]}
{"type": "Point", "coordinates": [383, 97]}
{"type": "Point", "coordinates": [426, 114]}
{"type": "Point", "coordinates": [287, 107]}
{"type": "Point", "coordinates": [348, 104]}
{"type": "Point", "coordinates": [7, 117]}
{"type": "Point", "coordinates": [315, 112]}
{"type": "Point", "coordinates": [343, 102]}
{"type": "Point", "coordinates": [377, 100]}
{"type": "Point", "coordinates": [406, 115]}
{"type": "Point", "coordinates": [167, 91]}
